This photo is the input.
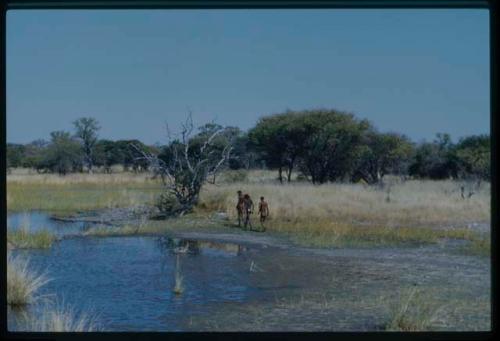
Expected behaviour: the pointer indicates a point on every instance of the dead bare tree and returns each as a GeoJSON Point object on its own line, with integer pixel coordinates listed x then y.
{"type": "Point", "coordinates": [186, 164]}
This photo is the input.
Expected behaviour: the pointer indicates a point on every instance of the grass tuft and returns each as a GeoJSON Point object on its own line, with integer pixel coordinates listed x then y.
{"type": "Point", "coordinates": [178, 288]}
{"type": "Point", "coordinates": [412, 313]}
{"type": "Point", "coordinates": [22, 282]}
{"type": "Point", "coordinates": [59, 318]}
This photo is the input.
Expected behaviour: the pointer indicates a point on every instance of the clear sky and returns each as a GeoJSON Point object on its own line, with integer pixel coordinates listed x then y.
{"type": "Point", "coordinates": [417, 72]}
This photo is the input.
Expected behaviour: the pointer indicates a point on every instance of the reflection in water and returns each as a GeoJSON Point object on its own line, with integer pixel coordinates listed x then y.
{"type": "Point", "coordinates": [178, 288]}
{"type": "Point", "coordinates": [178, 246]}
{"type": "Point", "coordinates": [130, 281]}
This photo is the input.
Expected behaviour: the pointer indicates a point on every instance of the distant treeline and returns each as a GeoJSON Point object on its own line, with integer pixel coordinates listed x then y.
{"type": "Point", "coordinates": [320, 145]}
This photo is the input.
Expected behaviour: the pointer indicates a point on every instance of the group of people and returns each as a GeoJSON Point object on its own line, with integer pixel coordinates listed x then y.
{"type": "Point", "coordinates": [245, 208]}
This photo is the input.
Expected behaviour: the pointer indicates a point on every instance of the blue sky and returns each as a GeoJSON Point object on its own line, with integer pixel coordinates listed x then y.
{"type": "Point", "coordinates": [417, 72]}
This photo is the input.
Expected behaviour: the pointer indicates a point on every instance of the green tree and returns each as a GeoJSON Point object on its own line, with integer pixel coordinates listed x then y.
{"type": "Point", "coordinates": [34, 155]}
{"type": "Point", "coordinates": [243, 156]}
{"type": "Point", "coordinates": [279, 140]}
{"type": "Point", "coordinates": [107, 154]}
{"type": "Point", "coordinates": [435, 160]}
{"type": "Point", "coordinates": [332, 146]}
{"type": "Point", "coordinates": [383, 153]}
{"type": "Point", "coordinates": [15, 155]}
{"type": "Point", "coordinates": [63, 154]}
{"type": "Point", "coordinates": [86, 129]}
{"type": "Point", "coordinates": [473, 157]}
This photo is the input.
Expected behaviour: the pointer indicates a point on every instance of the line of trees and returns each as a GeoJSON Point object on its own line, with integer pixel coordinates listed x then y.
{"type": "Point", "coordinates": [330, 145]}
{"type": "Point", "coordinates": [318, 145]}
{"type": "Point", "coordinates": [81, 151]}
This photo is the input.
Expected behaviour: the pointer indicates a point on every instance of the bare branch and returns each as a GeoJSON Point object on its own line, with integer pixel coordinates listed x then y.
{"type": "Point", "coordinates": [209, 140]}
{"type": "Point", "coordinates": [185, 172]}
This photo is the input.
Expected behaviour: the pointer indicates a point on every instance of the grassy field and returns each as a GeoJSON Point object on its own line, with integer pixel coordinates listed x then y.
{"type": "Point", "coordinates": [78, 192]}
{"type": "Point", "coordinates": [331, 214]}
{"type": "Point", "coordinates": [355, 214]}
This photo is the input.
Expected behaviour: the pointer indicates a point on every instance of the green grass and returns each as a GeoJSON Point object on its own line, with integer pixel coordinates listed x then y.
{"type": "Point", "coordinates": [24, 239]}
{"type": "Point", "coordinates": [22, 282]}
{"type": "Point", "coordinates": [342, 235]}
{"type": "Point", "coordinates": [75, 197]}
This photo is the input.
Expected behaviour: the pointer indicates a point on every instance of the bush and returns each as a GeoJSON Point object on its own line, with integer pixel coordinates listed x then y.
{"type": "Point", "coordinates": [168, 204]}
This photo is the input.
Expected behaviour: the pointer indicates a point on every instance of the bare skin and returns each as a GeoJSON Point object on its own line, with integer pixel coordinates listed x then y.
{"type": "Point", "coordinates": [248, 204]}
{"type": "Point", "coordinates": [240, 207]}
{"type": "Point", "coordinates": [263, 212]}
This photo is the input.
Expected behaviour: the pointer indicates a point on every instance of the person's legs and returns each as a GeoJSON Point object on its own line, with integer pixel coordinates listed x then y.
{"type": "Point", "coordinates": [248, 220]}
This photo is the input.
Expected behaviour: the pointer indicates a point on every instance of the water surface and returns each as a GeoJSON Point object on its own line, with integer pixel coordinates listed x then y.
{"type": "Point", "coordinates": [129, 282]}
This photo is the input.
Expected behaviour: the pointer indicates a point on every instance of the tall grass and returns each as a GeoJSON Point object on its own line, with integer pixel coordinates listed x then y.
{"type": "Point", "coordinates": [413, 203]}
{"type": "Point", "coordinates": [59, 318]}
{"type": "Point", "coordinates": [22, 238]}
{"type": "Point", "coordinates": [340, 214]}
{"type": "Point", "coordinates": [22, 282]}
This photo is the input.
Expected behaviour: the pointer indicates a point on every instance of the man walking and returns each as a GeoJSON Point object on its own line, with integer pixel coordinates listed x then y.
{"type": "Point", "coordinates": [240, 207]}
{"type": "Point", "coordinates": [263, 212]}
{"type": "Point", "coordinates": [248, 206]}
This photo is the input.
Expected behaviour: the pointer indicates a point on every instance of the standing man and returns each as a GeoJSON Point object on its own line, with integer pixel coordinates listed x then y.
{"type": "Point", "coordinates": [248, 204]}
{"type": "Point", "coordinates": [240, 207]}
{"type": "Point", "coordinates": [263, 212]}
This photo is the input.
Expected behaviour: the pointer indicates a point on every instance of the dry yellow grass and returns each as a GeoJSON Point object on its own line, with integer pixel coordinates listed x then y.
{"type": "Point", "coordinates": [343, 214]}
{"type": "Point", "coordinates": [413, 203]}
{"type": "Point", "coordinates": [59, 318]}
{"type": "Point", "coordinates": [22, 282]}
{"type": "Point", "coordinates": [322, 215]}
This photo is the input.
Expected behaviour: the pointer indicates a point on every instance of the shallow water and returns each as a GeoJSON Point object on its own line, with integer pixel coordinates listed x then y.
{"type": "Point", "coordinates": [129, 281]}
{"type": "Point", "coordinates": [36, 221]}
